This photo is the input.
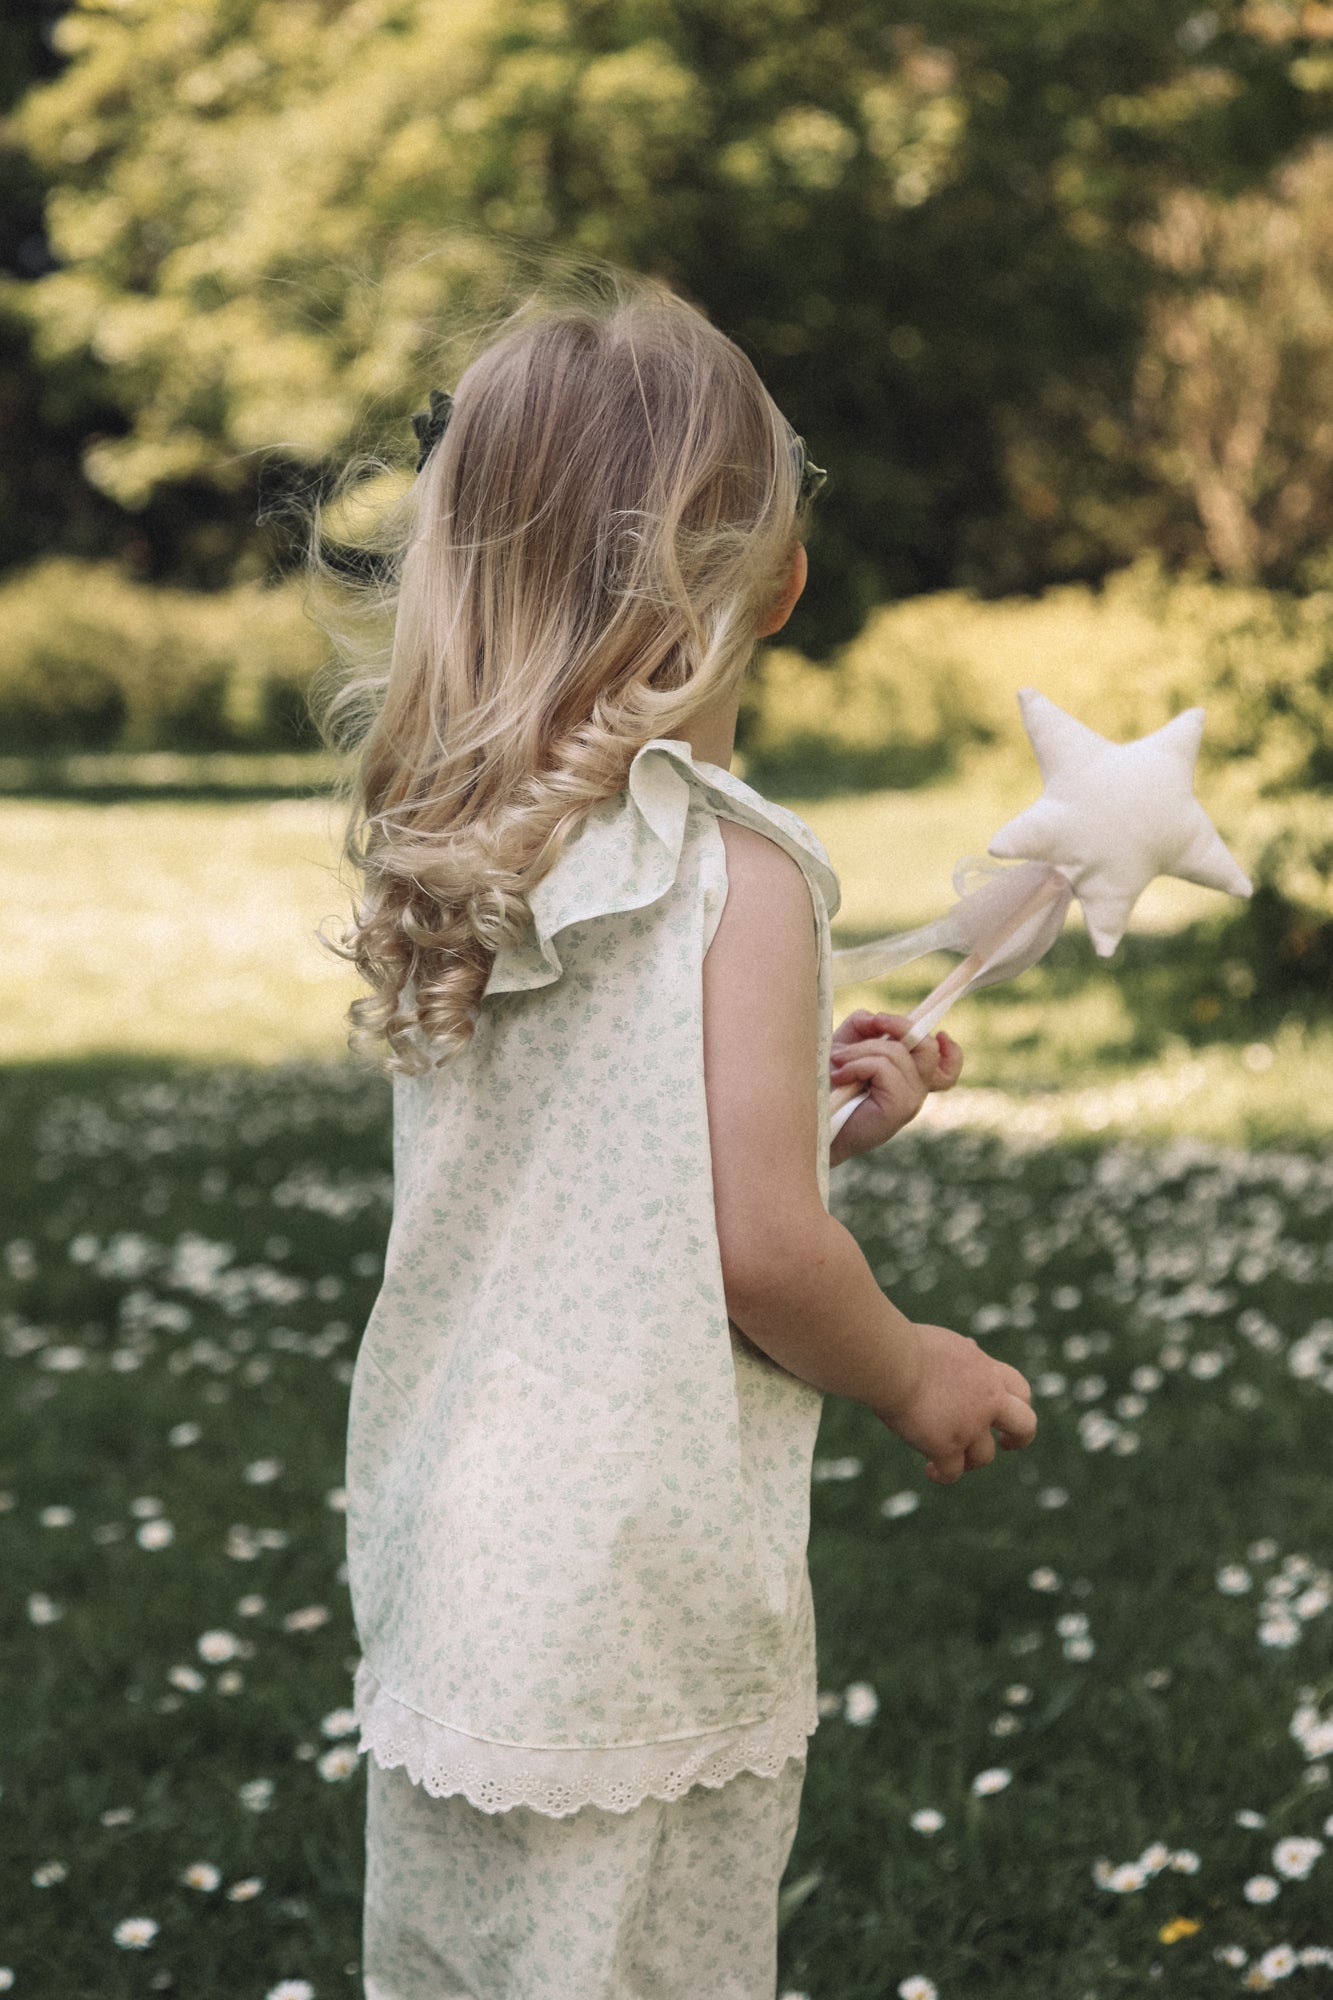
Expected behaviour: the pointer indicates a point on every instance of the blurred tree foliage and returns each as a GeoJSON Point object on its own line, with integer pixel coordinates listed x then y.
{"type": "Point", "coordinates": [1236, 375]}
{"type": "Point", "coordinates": [44, 499]}
{"type": "Point", "coordinates": [277, 221]}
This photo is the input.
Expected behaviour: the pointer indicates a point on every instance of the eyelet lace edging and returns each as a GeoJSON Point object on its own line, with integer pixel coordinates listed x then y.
{"type": "Point", "coordinates": [496, 1776]}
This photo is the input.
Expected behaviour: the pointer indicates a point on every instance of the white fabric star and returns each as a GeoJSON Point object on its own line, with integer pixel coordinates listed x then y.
{"type": "Point", "coordinates": [1114, 815]}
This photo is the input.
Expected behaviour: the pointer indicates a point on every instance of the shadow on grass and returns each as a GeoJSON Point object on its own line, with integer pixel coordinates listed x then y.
{"type": "Point", "coordinates": [133, 777]}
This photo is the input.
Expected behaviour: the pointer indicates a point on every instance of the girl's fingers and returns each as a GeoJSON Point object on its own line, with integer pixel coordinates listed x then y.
{"type": "Point", "coordinates": [848, 1069]}
{"type": "Point", "coordinates": [980, 1452]}
{"type": "Point", "coordinates": [951, 1062]}
{"type": "Point", "coordinates": [1016, 1421]}
{"type": "Point", "coordinates": [878, 1045]}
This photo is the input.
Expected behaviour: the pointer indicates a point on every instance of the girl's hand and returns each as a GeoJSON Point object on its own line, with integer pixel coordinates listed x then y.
{"type": "Point", "coordinates": [963, 1401]}
{"type": "Point", "coordinates": [868, 1050]}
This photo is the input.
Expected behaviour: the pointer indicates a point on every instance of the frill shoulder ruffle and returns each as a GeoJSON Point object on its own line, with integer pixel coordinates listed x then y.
{"type": "Point", "coordinates": [626, 851]}
{"type": "Point", "coordinates": [497, 1776]}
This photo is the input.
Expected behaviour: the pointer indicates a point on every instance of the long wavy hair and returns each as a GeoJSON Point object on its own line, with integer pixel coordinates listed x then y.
{"type": "Point", "coordinates": [580, 566]}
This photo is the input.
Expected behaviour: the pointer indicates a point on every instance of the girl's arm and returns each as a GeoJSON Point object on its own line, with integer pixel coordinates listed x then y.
{"type": "Point", "coordinates": [795, 1279]}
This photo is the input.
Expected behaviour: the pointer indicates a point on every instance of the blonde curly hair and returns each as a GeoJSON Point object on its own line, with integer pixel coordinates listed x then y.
{"type": "Point", "coordinates": [582, 565]}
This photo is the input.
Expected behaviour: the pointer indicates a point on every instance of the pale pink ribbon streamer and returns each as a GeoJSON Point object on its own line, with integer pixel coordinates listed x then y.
{"type": "Point", "coordinates": [1004, 921]}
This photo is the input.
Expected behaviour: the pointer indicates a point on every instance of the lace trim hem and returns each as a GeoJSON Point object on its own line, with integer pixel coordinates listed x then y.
{"type": "Point", "coordinates": [496, 1776]}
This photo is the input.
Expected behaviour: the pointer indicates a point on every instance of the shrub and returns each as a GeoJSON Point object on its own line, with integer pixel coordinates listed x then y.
{"type": "Point", "coordinates": [94, 661]}
{"type": "Point", "coordinates": [930, 676]}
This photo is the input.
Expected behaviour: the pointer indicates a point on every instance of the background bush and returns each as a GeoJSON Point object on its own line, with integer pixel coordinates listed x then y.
{"type": "Point", "coordinates": [933, 681]}
{"type": "Point", "coordinates": [94, 661]}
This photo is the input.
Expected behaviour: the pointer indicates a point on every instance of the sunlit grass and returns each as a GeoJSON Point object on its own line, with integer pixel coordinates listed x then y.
{"type": "Point", "coordinates": [172, 928]}
{"type": "Point", "coordinates": [188, 928]}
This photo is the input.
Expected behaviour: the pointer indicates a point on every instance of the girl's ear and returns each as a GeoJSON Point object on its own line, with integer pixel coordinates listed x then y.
{"type": "Point", "coordinates": [786, 604]}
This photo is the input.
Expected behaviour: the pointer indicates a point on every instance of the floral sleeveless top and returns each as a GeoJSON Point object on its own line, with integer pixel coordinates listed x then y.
{"type": "Point", "coordinates": [577, 1495]}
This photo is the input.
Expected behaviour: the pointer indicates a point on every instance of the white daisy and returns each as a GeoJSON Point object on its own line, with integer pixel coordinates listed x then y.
{"type": "Point", "coordinates": [918, 1988]}
{"type": "Point", "coordinates": [246, 1890]}
{"type": "Point", "coordinates": [339, 1722]}
{"type": "Point", "coordinates": [987, 1783]}
{"type": "Point", "coordinates": [291, 1989]}
{"type": "Point", "coordinates": [1126, 1878]}
{"type": "Point", "coordinates": [135, 1933]}
{"type": "Point", "coordinates": [1261, 1889]}
{"type": "Point", "coordinates": [1296, 1856]}
{"type": "Point", "coordinates": [899, 1505]}
{"type": "Point", "coordinates": [860, 1703]}
{"type": "Point", "coordinates": [201, 1875]}
{"type": "Point", "coordinates": [834, 1468]}
{"type": "Point", "coordinates": [309, 1619]}
{"type": "Point", "coordinates": [215, 1647]}
{"type": "Point", "coordinates": [1279, 1963]}
{"type": "Point", "coordinates": [155, 1535]}
{"type": "Point", "coordinates": [340, 1762]}
{"type": "Point", "coordinates": [927, 1820]}
{"type": "Point", "coordinates": [257, 1794]}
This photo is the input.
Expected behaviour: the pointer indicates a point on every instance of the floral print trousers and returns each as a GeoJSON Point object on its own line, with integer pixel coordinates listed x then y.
{"type": "Point", "coordinates": [673, 1900]}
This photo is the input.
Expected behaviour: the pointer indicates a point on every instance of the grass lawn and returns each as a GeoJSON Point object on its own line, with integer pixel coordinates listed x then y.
{"type": "Point", "coordinates": [1102, 1669]}
{"type": "Point", "coordinates": [1126, 1624]}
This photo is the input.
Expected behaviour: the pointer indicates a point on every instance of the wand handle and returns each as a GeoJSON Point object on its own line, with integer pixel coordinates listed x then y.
{"type": "Point", "coordinates": [1052, 890]}
{"type": "Point", "coordinates": [935, 1001]}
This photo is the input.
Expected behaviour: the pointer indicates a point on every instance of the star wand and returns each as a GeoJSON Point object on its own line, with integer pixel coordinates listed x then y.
{"type": "Point", "coordinates": [1110, 819]}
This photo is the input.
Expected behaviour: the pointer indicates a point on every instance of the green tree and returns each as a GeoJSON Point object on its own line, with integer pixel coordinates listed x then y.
{"type": "Point", "coordinates": [44, 499]}
{"type": "Point", "coordinates": [1236, 375]}
{"type": "Point", "coordinates": [276, 218]}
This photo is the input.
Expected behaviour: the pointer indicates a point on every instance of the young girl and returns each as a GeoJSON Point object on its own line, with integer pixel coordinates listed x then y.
{"type": "Point", "coordinates": [585, 1404]}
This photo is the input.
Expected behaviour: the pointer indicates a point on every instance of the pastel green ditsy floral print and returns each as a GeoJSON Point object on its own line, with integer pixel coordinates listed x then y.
{"type": "Point", "coordinates": [670, 1902]}
{"type": "Point", "coordinates": [578, 1496]}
